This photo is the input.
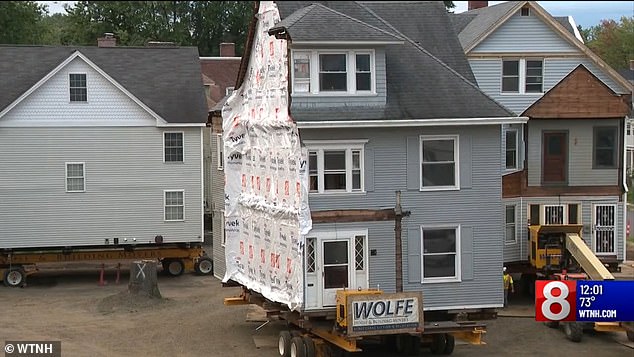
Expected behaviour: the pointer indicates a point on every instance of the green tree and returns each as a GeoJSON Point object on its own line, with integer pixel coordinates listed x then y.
{"type": "Point", "coordinates": [612, 41]}
{"type": "Point", "coordinates": [188, 23]}
{"type": "Point", "coordinates": [20, 22]}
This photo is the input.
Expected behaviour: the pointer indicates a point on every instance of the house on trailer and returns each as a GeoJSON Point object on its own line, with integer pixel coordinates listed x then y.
{"type": "Point", "coordinates": [382, 105]}
{"type": "Point", "coordinates": [567, 164]}
{"type": "Point", "coordinates": [100, 146]}
{"type": "Point", "coordinates": [219, 78]}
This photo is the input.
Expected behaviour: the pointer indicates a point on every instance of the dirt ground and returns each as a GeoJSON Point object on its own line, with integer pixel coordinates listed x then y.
{"type": "Point", "coordinates": [191, 320]}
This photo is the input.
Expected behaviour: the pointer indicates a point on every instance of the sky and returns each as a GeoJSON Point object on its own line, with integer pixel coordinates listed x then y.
{"type": "Point", "coordinates": [585, 13]}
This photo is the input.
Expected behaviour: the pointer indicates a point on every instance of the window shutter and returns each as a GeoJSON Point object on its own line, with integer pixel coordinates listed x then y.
{"type": "Point", "coordinates": [413, 163]}
{"type": "Point", "coordinates": [369, 170]}
{"type": "Point", "coordinates": [466, 251]}
{"type": "Point", "coordinates": [464, 147]}
{"type": "Point", "coordinates": [413, 255]}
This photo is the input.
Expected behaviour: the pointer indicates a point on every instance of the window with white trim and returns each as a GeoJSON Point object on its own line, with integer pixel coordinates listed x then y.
{"type": "Point", "coordinates": [75, 177]}
{"type": "Point", "coordinates": [511, 149]}
{"type": "Point", "coordinates": [554, 214]}
{"type": "Point", "coordinates": [220, 152]}
{"type": "Point", "coordinates": [441, 254]}
{"type": "Point", "coordinates": [310, 255]}
{"type": "Point", "coordinates": [229, 90]}
{"type": "Point", "coordinates": [333, 72]}
{"type": "Point", "coordinates": [523, 75]}
{"type": "Point", "coordinates": [335, 166]}
{"type": "Point", "coordinates": [174, 205]}
{"type": "Point", "coordinates": [439, 163]}
{"type": "Point", "coordinates": [78, 88]}
{"type": "Point", "coordinates": [605, 147]}
{"type": "Point", "coordinates": [510, 225]}
{"type": "Point", "coordinates": [173, 146]}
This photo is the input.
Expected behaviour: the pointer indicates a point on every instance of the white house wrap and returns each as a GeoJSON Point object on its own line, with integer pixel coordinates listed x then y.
{"type": "Point", "coordinates": [266, 193]}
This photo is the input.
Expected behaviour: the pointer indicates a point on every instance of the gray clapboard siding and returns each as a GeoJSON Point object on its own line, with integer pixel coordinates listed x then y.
{"type": "Point", "coordinates": [524, 34]}
{"type": "Point", "coordinates": [125, 178]}
{"type": "Point", "coordinates": [477, 209]}
{"type": "Point", "coordinates": [488, 74]}
{"type": "Point", "coordinates": [217, 207]}
{"type": "Point", "coordinates": [519, 251]}
{"type": "Point", "coordinates": [580, 152]}
{"type": "Point", "coordinates": [325, 101]}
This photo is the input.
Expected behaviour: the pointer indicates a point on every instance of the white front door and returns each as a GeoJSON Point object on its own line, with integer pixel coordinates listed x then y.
{"type": "Point", "coordinates": [604, 229]}
{"type": "Point", "coordinates": [336, 267]}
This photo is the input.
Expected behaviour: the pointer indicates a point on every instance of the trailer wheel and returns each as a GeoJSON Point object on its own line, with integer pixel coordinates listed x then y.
{"type": "Point", "coordinates": [438, 343]}
{"type": "Point", "coordinates": [552, 324]}
{"type": "Point", "coordinates": [414, 345]}
{"type": "Point", "coordinates": [14, 277]}
{"type": "Point", "coordinates": [450, 344]}
{"type": "Point", "coordinates": [173, 267]}
{"type": "Point", "coordinates": [310, 346]}
{"type": "Point", "coordinates": [573, 331]}
{"type": "Point", "coordinates": [204, 266]}
{"type": "Point", "coordinates": [298, 348]}
{"type": "Point", "coordinates": [284, 344]}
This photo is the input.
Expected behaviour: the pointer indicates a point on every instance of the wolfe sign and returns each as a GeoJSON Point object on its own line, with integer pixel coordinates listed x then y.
{"type": "Point", "coordinates": [385, 314]}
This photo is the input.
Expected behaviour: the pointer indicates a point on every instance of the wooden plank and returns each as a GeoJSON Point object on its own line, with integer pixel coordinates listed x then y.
{"type": "Point", "coordinates": [347, 216]}
{"type": "Point", "coordinates": [584, 256]}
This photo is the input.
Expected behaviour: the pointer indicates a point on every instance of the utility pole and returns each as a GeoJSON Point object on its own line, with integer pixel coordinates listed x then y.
{"type": "Point", "coordinates": [398, 228]}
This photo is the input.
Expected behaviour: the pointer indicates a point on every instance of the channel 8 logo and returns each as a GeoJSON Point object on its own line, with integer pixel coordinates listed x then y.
{"type": "Point", "coordinates": [555, 300]}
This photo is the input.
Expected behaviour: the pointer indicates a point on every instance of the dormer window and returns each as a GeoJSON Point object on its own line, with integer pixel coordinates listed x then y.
{"type": "Point", "coordinates": [78, 89]}
{"type": "Point", "coordinates": [334, 72]}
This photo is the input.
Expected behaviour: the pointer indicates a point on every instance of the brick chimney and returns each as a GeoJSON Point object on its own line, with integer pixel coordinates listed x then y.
{"type": "Point", "coordinates": [477, 4]}
{"type": "Point", "coordinates": [108, 40]}
{"type": "Point", "coordinates": [227, 49]}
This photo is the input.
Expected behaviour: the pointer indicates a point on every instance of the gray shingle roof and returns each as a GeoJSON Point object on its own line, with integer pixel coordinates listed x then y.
{"type": "Point", "coordinates": [482, 20]}
{"type": "Point", "coordinates": [565, 22]}
{"type": "Point", "coordinates": [420, 85]}
{"type": "Point", "coordinates": [316, 23]}
{"type": "Point", "coordinates": [166, 79]}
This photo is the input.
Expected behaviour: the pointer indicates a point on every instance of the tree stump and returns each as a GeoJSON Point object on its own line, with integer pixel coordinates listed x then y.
{"type": "Point", "coordinates": [144, 279]}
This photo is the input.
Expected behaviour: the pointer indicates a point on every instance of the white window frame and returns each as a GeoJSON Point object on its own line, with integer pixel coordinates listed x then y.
{"type": "Point", "coordinates": [69, 87]}
{"type": "Point", "coordinates": [508, 224]}
{"type": "Point", "coordinates": [457, 260]}
{"type": "Point", "coordinates": [183, 148]}
{"type": "Point", "coordinates": [348, 145]}
{"type": "Point", "coordinates": [522, 76]}
{"type": "Point", "coordinates": [456, 155]}
{"type": "Point", "coordinates": [165, 206]}
{"type": "Point", "coordinates": [66, 177]}
{"type": "Point", "coordinates": [220, 152]}
{"type": "Point", "coordinates": [229, 90]}
{"type": "Point", "coordinates": [351, 70]}
{"type": "Point", "coordinates": [517, 159]}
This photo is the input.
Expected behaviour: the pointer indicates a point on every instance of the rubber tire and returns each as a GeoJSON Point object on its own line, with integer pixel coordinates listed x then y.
{"type": "Point", "coordinates": [552, 324]}
{"type": "Point", "coordinates": [573, 331]}
{"type": "Point", "coordinates": [414, 345]}
{"type": "Point", "coordinates": [449, 345]}
{"type": "Point", "coordinates": [438, 343]}
{"type": "Point", "coordinates": [404, 344]}
{"type": "Point", "coordinates": [284, 344]}
{"type": "Point", "coordinates": [173, 267]}
{"type": "Point", "coordinates": [298, 347]}
{"type": "Point", "coordinates": [310, 347]}
{"type": "Point", "coordinates": [204, 266]}
{"type": "Point", "coordinates": [14, 273]}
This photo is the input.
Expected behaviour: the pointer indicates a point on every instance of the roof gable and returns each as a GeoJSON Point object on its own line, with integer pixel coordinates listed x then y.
{"type": "Point", "coordinates": [580, 95]}
{"type": "Point", "coordinates": [166, 80]}
{"type": "Point", "coordinates": [315, 23]}
{"type": "Point", "coordinates": [62, 65]}
{"type": "Point", "coordinates": [488, 19]}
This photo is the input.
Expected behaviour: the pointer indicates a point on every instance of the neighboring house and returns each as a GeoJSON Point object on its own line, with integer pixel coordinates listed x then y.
{"type": "Point", "coordinates": [100, 145]}
{"type": "Point", "coordinates": [219, 77]}
{"type": "Point", "coordinates": [566, 165]}
{"type": "Point", "coordinates": [384, 105]}
{"type": "Point", "coordinates": [628, 73]}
